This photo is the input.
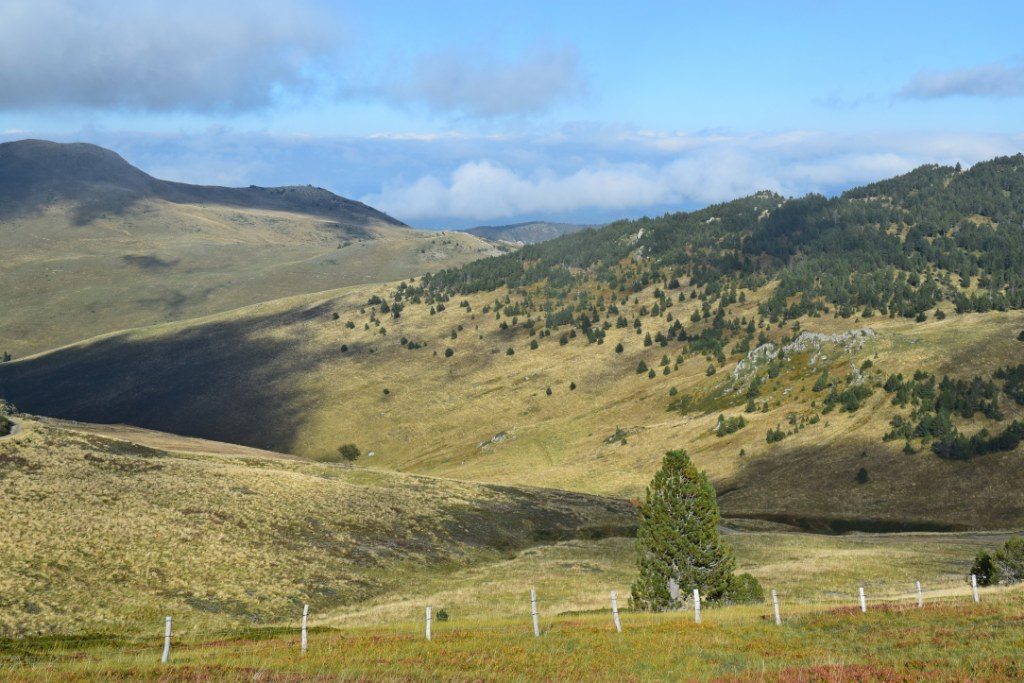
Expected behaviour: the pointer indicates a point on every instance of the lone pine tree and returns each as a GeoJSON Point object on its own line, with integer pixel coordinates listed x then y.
{"type": "Point", "coordinates": [678, 545]}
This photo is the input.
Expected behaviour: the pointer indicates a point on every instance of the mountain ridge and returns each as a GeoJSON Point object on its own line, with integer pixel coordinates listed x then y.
{"type": "Point", "coordinates": [731, 331]}
{"type": "Point", "coordinates": [33, 172]}
{"type": "Point", "coordinates": [94, 244]}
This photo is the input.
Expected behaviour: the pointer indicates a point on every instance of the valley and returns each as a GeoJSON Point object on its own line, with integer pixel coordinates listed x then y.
{"type": "Point", "coordinates": [463, 342]}
{"type": "Point", "coordinates": [576, 363]}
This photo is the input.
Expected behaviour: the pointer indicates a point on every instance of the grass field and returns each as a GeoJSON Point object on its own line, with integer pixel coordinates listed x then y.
{"type": "Point", "coordinates": [576, 576]}
{"type": "Point", "coordinates": [158, 261]}
{"type": "Point", "coordinates": [105, 533]}
{"type": "Point", "coordinates": [290, 376]}
{"type": "Point", "coordinates": [950, 639]}
{"type": "Point", "coordinates": [99, 517]}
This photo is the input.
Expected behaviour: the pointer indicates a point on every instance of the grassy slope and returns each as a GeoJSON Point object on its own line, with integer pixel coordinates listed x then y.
{"type": "Point", "coordinates": [576, 576]}
{"type": "Point", "coordinates": [158, 261]}
{"type": "Point", "coordinates": [103, 533]}
{"type": "Point", "coordinates": [112, 534]}
{"type": "Point", "coordinates": [289, 386]}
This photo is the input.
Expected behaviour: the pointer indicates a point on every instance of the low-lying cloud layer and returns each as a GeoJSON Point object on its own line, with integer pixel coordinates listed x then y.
{"type": "Point", "coordinates": [677, 171]}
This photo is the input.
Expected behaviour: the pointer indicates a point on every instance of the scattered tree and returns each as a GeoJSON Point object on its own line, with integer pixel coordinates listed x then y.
{"type": "Point", "coordinates": [678, 545]}
{"type": "Point", "coordinates": [349, 452]}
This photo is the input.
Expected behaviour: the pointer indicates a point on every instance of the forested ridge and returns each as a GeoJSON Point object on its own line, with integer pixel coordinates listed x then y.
{"type": "Point", "coordinates": [899, 246]}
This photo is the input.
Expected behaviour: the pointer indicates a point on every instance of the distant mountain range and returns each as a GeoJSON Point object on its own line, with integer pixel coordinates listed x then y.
{"type": "Point", "coordinates": [98, 181]}
{"type": "Point", "coordinates": [528, 233]}
{"type": "Point", "coordinates": [93, 244]}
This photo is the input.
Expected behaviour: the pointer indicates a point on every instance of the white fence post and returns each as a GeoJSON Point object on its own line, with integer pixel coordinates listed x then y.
{"type": "Point", "coordinates": [615, 613]}
{"type": "Point", "coordinates": [863, 601]}
{"type": "Point", "coordinates": [775, 604]}
{"type": "Point", "coordinates": [920, 595]}
{"type": "Point", "coordinates": [974, 587]}
{"type": "Point", "coordinates": [696, 605]}
{"type": "Point", "coordinates": [167, 641]}
{"type": "Point", "coordinates": [533, 612]}
{"type": "Point", "coordinates": [305, 617]}
{"type": "Point", "coordinates": [428, 622]}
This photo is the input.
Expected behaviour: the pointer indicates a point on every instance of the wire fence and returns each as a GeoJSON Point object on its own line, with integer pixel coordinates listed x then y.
{"type": "Point", "coordinates": [777, 608]}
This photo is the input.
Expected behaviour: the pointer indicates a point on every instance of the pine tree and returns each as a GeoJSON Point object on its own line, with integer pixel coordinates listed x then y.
{"type": "Point", "coordinates": [678, 540]}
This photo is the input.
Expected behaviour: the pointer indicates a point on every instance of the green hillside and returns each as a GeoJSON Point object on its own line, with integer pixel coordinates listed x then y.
{"type": "Point", "coordinates": [843, 363]}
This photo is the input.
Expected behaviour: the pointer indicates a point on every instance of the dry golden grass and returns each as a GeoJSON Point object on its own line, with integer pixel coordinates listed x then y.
{"type": "Point", "coordinates": [577, 576]}
{"type": "Point", "coordinates": [441, 415]}
{"type": "Point", "coordinates": [102, 533]}
{"type": "Point", "coordinates": [63, 282]}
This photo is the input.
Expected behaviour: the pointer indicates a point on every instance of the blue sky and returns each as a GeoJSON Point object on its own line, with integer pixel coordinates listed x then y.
{"type": "Point", "coordinates": [450, 114]}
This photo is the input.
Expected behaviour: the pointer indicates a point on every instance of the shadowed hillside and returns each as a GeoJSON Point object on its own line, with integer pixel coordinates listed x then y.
{"type": "Point", "coordinates": [36, 173]}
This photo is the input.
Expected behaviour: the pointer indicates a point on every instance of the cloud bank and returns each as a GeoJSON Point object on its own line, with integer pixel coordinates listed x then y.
{"type": "Point", "coordinates": [198, 55]}
{"type": "Point", "coordinates": [673, 171]}
{"type": "Point", "coordinates": [218, 56]}
{"type": "Point", "coordinates": [990, 80]}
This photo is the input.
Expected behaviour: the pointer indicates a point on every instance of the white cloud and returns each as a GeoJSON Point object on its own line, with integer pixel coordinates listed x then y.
{"type": "Point", "coordinates": [198, 55]}
{"type": "Point", "coordinates": [989, 80]}
{"type": "Point", "coordinates": [480, 84]}
{"type": "Point", "coordinates": [220, 56]}
{"type": "Point", "coordinates": [677, 171]}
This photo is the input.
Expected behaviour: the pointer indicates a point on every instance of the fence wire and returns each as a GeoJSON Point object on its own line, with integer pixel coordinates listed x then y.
{"type": "Point", "coordinates": [186, 636]}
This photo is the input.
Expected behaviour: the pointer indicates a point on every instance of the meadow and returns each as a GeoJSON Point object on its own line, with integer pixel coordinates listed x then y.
{"type": "Point", "coordinates": [949, 639]}
{"type": "Point", "coordinates": [101, 514]}
{"type": "Point", "coordinates": [305, 374]}
{"type": "Point", "coordinates": [104, 533]}
{"type": "Point", "coordinates": [158, 261]}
